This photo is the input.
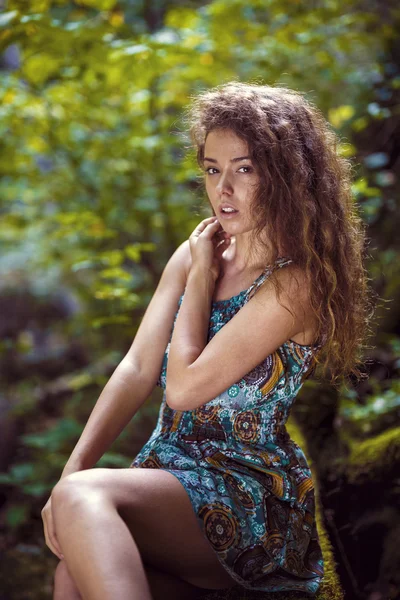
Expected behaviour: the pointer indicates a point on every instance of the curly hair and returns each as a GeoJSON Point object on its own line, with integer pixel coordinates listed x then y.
{"type": "Point", "coordinates": [303, 203]}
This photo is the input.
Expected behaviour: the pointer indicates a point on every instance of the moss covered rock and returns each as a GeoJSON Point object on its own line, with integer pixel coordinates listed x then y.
{"type": "Point", "coordinates": [374, 458]}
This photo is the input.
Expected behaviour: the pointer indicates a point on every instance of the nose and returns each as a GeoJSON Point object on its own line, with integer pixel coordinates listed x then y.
{"type": "Point", "coordinates": [224, 185]}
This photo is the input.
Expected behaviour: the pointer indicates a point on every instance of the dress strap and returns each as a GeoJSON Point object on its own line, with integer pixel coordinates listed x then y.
{"type": "Point", "coordinates": [278, 264]}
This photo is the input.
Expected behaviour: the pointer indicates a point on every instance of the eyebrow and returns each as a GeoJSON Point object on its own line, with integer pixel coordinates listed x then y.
{"type": "Point", "coordinates": [233, 160]}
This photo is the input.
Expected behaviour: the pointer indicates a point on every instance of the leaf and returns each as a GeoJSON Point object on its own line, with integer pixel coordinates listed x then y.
{"type": "Point", "coordinates": [7, 17]}
{"type": "Point", "coordinates": [54, 439]}
{"type": "Point", "coordinates": [115, 320]}
{"type": "Point", "coordinates": [136, 49]}
{"type": "Point", "coordinates": [37, 489]}
{"type": "Point", "coordinates": [133, 252]}
{"type": "Point", "coordinates": [115, 273]}
{"type": "Point", "coordinates": [40, 67]}
{"type": "Point", "coordinates": [99, 4]}
{"type": "Point", "coordinates": [17, 515]}
{"type": "Point", "coordinates": [113, 459]}
{"type": "Point", "coordinates": [338, 116]}
{"type": "Point", "coordinates": [80, 381]}
{"type": "Point", "coordinates": [22, 472]}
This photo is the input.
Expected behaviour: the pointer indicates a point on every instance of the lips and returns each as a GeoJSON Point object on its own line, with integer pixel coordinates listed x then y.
{"type": "Point", "coordinates": [226, 205]}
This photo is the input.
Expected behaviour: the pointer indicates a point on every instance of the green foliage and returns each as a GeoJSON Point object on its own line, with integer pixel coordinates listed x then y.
{"type": "Point", "coordinates": [35, 479]}
{"type": "Point", "coordinates": [17, 515]}
{"type": "Point", "coordinates": [378, 412]}
{"type": "Point", "coordinates": [94, 165]}
{"type": "Point", "coordinates": [55, 438]}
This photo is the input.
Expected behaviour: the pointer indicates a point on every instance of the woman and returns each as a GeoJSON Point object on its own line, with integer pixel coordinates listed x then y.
{"type": "Point", "coordinates": [245, 309]}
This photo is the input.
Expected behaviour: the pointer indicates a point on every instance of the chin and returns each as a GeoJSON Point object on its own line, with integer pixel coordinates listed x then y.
{"type": "Point", "coordinates": [234, 228]}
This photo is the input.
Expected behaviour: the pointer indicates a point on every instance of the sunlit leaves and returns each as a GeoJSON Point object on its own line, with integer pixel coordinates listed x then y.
{"type": "Point", "coordinates": [182, 18]}
{"type": "Point", "coordinates": [6, 18]}
{"type": "Point", "coordinates": [95, 143]}
{"type": "Point", "coordinates": [98, 4]}
{"type": "Point", "coordinates": [85, 224]}
{"type": "Point", "coordinates": [340, 115]}
{"type": "Point", "coordinates": [134, 251]}
{"type": "Point", "coordinates": [115, 320]}
{"type": "Point", "coordinates": [38, 68]}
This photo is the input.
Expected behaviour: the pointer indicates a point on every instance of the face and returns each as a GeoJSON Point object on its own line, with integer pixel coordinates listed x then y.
{"type": "Point", "coordinates": [230, 179]}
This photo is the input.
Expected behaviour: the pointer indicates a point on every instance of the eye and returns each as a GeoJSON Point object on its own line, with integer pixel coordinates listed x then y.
{"type": "Point", "coordinates": [249, 169]}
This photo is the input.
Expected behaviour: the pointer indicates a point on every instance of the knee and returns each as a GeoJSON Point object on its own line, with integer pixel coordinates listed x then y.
{"type": "Point", "coordinates": [70, 494]}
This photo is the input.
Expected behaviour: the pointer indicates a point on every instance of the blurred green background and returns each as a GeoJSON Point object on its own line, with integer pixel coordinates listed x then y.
{"type": "Point", "coordinates": [98, 187]}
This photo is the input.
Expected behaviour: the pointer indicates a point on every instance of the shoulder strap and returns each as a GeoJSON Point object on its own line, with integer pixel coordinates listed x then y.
{"type": "Point", "coordinates": [279, 263]}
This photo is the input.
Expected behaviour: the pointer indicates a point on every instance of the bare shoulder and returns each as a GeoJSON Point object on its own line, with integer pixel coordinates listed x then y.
{"type": "Point", "coordinates": [176, 270]}
{"type": "Point", "coordinates": [184, 257]}
{"type": "Point", "coordinates": [294, 284]}
{"type": "Point", "coordinates": [294, 294]}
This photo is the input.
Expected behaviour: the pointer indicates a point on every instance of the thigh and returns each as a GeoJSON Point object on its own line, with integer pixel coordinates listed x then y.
{"type": "Point", "coordinates": [162, 585]}
{"type": "Point", "coordinates": [156, 508]}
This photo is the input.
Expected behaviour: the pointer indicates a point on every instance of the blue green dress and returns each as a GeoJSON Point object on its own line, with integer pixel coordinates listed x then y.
{"type": "Point", "coordinates": [249, 483]}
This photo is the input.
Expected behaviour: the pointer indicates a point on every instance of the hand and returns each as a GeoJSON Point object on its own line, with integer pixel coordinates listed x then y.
{"type": "Point", "coordinates": [49, 530]}
{"type": "Point", "coordinates": [207, 244]}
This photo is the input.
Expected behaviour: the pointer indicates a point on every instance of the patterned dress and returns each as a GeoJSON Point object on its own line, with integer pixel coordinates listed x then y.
{"type": "Point", "coordinates": [249, 483]}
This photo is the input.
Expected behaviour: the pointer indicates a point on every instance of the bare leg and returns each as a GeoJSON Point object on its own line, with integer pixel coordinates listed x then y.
{"type": "Point", "coordinates": [106, 563]}
{"type": "Point", "coordinates": [64, 585]}
{"type": "Point", "coordinates": [162, 585]}
{"type": "Point", "coordinates": [110, 522]}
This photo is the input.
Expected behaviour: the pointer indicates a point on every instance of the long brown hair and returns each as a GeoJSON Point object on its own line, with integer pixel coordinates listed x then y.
{"type": "Point", "coordinates": [304, 204]}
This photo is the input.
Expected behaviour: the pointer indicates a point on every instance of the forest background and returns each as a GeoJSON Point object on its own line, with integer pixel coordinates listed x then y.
{"type": "Point", "coordinates": [98, 188]}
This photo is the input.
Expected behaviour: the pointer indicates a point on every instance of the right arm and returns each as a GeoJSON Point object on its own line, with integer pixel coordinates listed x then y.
{"type": "Point", "coordinates": [136, 375]}
{"type": "Point", "coordinates": [132, 381]}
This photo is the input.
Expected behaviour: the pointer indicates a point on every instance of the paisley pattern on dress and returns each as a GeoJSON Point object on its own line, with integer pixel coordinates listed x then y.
{"type": "Point", "coordinates": [249, 483]}
{"type": "Point", "coordinates": [221, 525]}
{"type": "Point", "coordinates": [246, 426]}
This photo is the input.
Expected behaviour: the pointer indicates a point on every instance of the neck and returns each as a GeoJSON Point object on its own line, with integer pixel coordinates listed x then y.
{"type": "Point", "coordinates": [238, 258]}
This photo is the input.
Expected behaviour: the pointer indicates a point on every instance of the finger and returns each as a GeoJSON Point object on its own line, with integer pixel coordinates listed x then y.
{"type": "Point", "coordinates": [209, 218]}
{"type": "Point", "coordinates": [224, 239]}
{"type": "Point", "coordinates": [203, 224]}
{"type": "Point", "coordinates": [52, 541]}
{"type": "Point", "coordinates": [211, 229]}
{"type": "Point", "coordinates": [56, 546]}
{"type": "Point", "coordinates": [217, 239]}
{"type": "Point", "coordinates": [222, 246]}
{"type": "Point", "coordinates": [199, 231]}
